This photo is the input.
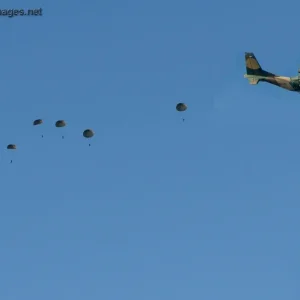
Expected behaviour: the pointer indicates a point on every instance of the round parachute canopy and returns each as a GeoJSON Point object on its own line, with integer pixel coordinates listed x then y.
{"type": "Point", "coordinates": [88, 133]}
{"type": "Point", "coordinates": [181, 107]}
{"type": "Point", "coordinates": [11, 147]}
{"type": "Point", "coordinates": [60, 123]}
{"type": "Point", "coordinates": [37, 122]}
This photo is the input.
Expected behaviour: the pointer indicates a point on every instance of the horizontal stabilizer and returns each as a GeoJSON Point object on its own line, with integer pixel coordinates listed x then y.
{"type": "Point", "coordinates": [253, 81]}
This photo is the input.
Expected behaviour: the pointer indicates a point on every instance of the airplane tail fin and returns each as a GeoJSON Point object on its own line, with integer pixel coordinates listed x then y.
{"type": "Point", "coordinates": [254, 72]}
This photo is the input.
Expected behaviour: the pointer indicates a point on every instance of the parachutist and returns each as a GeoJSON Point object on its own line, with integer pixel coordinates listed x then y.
{"type": "Point", "coordinates": [181, 107]}
{"type": "Point", "coordinates": [38, 122]}
{"type": "Point", "coordinates": [88, 133]}
{"type": "Point", "coordinates": [60, 124]}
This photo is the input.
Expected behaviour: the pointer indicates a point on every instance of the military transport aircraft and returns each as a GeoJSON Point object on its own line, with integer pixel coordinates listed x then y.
{"type": "Point", "coordinates": [255, 74]}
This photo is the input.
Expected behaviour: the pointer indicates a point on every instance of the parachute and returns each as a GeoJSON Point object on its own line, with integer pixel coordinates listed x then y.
{"type": "Point", "coordinates": [181, 107]}
{"type": "Point", "coordinates": [37, 122]}
{"type": "Point", "coordinates": [11, 147]}
{"type": "Point", "coordinates": [88, 133]}
{"type": "Point", "coordinates": [60, 124]}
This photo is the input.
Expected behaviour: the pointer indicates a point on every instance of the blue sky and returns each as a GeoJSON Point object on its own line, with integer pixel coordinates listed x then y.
{"type": "Point", "coordinates": [155, 208]}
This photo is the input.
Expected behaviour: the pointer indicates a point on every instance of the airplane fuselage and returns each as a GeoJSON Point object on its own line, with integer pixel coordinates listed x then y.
{"type": "Point", "coordinates": [284, 82]}
{"type": "Point", "coordinates": [288, 83]}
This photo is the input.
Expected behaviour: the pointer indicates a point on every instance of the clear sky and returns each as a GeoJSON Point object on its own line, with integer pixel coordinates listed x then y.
{"type": "Point", "coordinates": [156, 208]}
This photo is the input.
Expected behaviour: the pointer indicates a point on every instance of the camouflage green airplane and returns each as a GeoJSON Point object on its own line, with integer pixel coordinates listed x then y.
{"type": "Point", "coordinates": [255, 74]}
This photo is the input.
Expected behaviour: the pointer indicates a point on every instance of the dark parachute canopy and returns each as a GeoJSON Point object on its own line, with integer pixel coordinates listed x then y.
{"type": "Point", "coordinates": [181, 107]}
{"type": "Point", "coordinates": [88, 133]}
{"type": "Point", "coordinates": [11, 147]}
{"type": "Point", "coordinates": [60, 123]}
{"type": "Point", "coordinates": [37, 122]}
